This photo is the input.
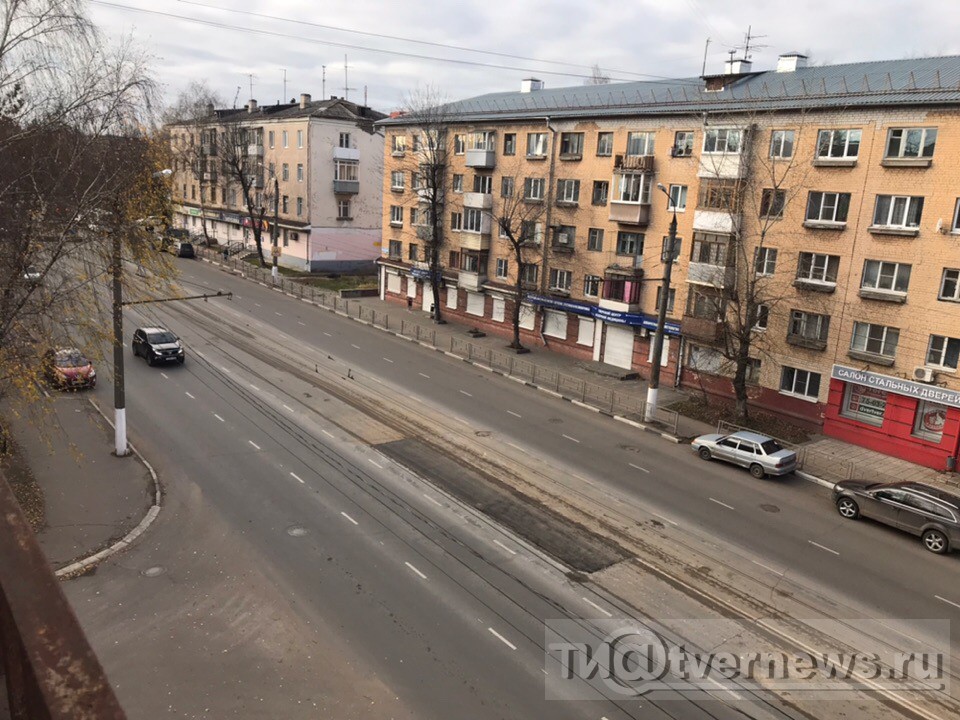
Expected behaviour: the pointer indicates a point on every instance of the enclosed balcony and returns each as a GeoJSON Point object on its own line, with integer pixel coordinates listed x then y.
{"type": "Point", "coordinates": [342, 153]}
{"type": "Point", "coordinates": [630, 213]}
{"type": "Point", "coordinates": [478, 201]}
{"type": "Point", "coordinates": [255, 149]}
{"type": "Point", "coordinates": [718, 276]}
{"type": "Point", "coordinates": [709, 330]}
{"type": "Point", "coordinates": [481, 159]}
{"type": "Point", "coordinates": [346, 187]}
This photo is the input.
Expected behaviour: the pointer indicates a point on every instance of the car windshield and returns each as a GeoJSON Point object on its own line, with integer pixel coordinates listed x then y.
{"type": "Point", "coordinates": [771, 446]}
{"type": "Point", "coordinates": [159, 338]}
{"type": "Point", "coordinates": [71, 359]}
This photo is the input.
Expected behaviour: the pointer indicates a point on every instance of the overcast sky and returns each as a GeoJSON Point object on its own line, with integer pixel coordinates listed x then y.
{"type": "Point", "coordinates": [629, 40]}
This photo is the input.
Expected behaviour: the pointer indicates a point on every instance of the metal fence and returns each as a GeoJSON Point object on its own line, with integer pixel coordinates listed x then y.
{"type": "Point", "coordinates": [617, 402]}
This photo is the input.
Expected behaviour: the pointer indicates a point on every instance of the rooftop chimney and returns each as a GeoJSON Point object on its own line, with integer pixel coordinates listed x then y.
{"type": "Point", "coordinates": [530, 85]}
{"type": "Point", "coordinates": [736, 66]}
{"type": "Point", "coordinates": [251, 106]}
{"type": "Point", "coordinates": [304, 100]}
{"type": "Point", "coordinates": [788, 62]}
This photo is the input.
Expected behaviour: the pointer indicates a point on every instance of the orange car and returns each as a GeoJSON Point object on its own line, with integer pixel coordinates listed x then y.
{"type": "Point", "coordinates": [67, 368]}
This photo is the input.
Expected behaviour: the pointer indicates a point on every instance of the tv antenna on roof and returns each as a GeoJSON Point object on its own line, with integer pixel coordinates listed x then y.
{"type": "Point", "coordinates": [251, 76]}
{"type": "Point", "coordinates": [748, 43]}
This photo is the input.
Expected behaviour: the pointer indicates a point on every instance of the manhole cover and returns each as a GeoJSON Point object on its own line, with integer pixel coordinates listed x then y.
{"type": "Point", "coordinates": [770, 508]}
{"type": "Point", "coordinates": [555, 421]}
{"type": "Point", "coordinates": [296, 531]}
{"type": "Point", "coordinates": [153, 571]}
{"type": "Point", "coordinates": [482, 433]}
{"type": "Point", "coordinates": [629, 448]}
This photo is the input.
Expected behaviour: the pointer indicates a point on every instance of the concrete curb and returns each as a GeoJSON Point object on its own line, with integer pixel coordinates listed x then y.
{"type": "Point", "coordinates": [814, 479]}
{"type": "Point", "coordinates": [132, 536]}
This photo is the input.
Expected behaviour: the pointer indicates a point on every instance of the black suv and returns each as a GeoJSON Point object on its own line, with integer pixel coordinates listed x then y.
{"type": "Point", "coordinates": [923, 510]}
{"type": "Point", "coordinates": [158, 344]}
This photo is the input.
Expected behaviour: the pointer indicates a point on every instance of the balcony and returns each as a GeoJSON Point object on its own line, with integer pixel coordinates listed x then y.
{"type": "Point", "coordinates": [471, 280]}
{"type": "Point", "coordinates": [255, 181]}
{"type": "Point", "coordinates": [346, 187]}
{"type": "Point", "coordinates": [709, 330]}
{"type": "Point", "coordinates": [210, 177]}
{"type": "Point", "coordinates": [425, 233]}
{"type": "Point", "coordinates": [718, 276]}
{"type": "Point", "coordinates": [478, 201]}
{"type": "Point", "coordinates": [721, 166]}
{"type": "Point", "coordinates": [629, 213]}
{"type": "Point", "coordinates": [716, 221]}
{"type": "Point", "coordinates": [341, 153]}
{"type": "Point", "coordinates": [255, 149]}
{"type": "Point", "coordinates": [209, 149]}
{"type": "Point", "coordinates": [806, 342]}
{"type": "Point", "coordinates": [475, 241]}
{"type": "Point", "coordinates": [481, 159]}
{"type": "Point", "coordinates": [635, 163]}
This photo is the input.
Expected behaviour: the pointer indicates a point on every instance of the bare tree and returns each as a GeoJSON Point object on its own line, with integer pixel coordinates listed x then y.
{"type": "Point", "coordinates": [241, 153]}
{"type": "Point", "coordinates": [430, 121]}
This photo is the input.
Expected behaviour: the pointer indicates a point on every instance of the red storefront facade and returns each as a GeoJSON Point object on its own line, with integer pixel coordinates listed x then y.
{"type": "Point", "coordinates": [910, 420]}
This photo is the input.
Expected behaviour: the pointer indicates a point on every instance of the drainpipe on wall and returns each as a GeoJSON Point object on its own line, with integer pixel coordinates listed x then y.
{"type": "Point", "coordinates": [548, 199]}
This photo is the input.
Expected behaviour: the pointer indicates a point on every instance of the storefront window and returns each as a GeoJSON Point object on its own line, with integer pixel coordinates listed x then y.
{"type": "Point", "coordinates": [865, 404]}
{"type": "Point", "coordinates": [929, 421]}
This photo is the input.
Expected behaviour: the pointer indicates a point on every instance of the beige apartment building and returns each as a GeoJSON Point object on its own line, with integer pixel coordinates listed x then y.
{"type": "Point", "coordinates": [324, 157]}
{"type": "Point", "coordinates": [834, 188]}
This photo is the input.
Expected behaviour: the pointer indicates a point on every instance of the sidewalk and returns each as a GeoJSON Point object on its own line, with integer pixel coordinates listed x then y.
{"type": "Point", "coordinates": [826, 458]}
{"type": "Point", "coordinates": [91, 497]}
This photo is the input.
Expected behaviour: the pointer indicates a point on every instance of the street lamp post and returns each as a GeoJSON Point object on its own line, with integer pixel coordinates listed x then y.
{"type": "Point", "coordinates": [119, 394]}
{"type": "Point", "coordinates": [275, 230]}
{"type": "Point", "coordinates": [653, 386]}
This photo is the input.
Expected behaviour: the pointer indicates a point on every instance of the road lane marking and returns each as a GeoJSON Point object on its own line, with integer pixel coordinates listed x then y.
{"type": "Point", "coordinates": [254, 387]}
{"type": "Point", "coordinates": [466, 393]}
{"type": "Point", "coordinates": [597, 607]}
{"type": "Point", "coordinates": [948, 602]}
{"type": "Point", "coordinates": [254, 444]}
{"type": "Point", "coordinates": [287, 407]}
{"type": "Point", "coordinates": [328, 434]}
{"type": "Point", "coordinates": [349, 518]}
{"type": "Point", "coordinates": [219, 418]}
{"type": "Point", "coordinates": [354, 346]}
{"type": "Point", "coordinates": [516, 447]}
{"type": "Point", "coordinates": [637, 467]}
{"type": "Point", "coordinates": [328, 334]}
{"type": "Point", "coordinates": [388, 360]}
{"type": "Point", "coordinates": [277, 313]}
{"type": "Point", "coordinates": [301, 323]}
{"type": "Point", "coordinates": [189, 395]}
{"type": "Point", "coordinates": [822, 547]}
{"type": "Point", "coordinates": [572, 439]}
{"type": "Point", "coordinates": [374, 462]}
{"type": "Point", "coordinates": [729, 507]}
{"type": "Point", "coordinates": [502, 639]}
{"type": "Point", "coordinates": [424, 376]}
{"type": "Point", "coordinates": [435, 502]}
{"type": "Point", "coordinates": [509, 550]}
{"type": "Point", "coordinates": [165, 376]}
{"type": "Point", "coordinates": [516, 415]}
{"type": "Point", "coordinates": [665, 518]}
{"type": "Point", "coordinates": [422, 576]}
{"type": "Point", "coordinates": [767, 567]}
{"type": "Point", "coordinates": [225, 370]}
{"type": "Point", "coordinates": [298, 479]}
{"type": "Point", "coordinates": [258, 304]}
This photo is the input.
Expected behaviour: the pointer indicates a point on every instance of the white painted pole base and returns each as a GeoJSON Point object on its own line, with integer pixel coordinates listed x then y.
{"type": "Point", "coordinates": [275, 272]}
{"type": "Point", "coordinates": [650, 411]}
{"type": "Point", "coordinates": [120, 431]}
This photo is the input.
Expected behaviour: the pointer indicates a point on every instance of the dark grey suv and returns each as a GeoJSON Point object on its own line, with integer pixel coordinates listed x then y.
{"type": "Point", "coordinates": [923, 510]}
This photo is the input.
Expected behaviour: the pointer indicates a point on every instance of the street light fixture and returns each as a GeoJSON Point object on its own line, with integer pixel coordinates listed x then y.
{"type": "Point", "coordinates": [653, 386]}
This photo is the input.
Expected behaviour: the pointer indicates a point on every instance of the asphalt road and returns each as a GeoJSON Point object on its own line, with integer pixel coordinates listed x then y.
{"type": "Point", "coordinates": [299, 573]}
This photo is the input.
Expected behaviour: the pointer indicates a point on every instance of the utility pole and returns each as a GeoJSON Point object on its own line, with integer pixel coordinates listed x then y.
{"type": "Point", "coordinates": [653, 386]}
{"type": "Point", "coordinates": [119, 395]}
{"type": "Point", "coordinates": [283, 98]}
{"type": "Point", "coordinates": [275, 230]}
{"type": "Point", "coordinates": [323, 82]}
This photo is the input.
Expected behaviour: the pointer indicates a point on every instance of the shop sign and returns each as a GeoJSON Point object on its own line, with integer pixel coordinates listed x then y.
{"type": "Point", "coordinates": [896, 385]}
{"type": "Point", "coordinates": [612, 317]}
{"type": "Point", "coordinates": [866, 400]}
{"type": "Point", "coordinates": [194, 211]}
{"type": "Point", "coordinates": [420, 273]}
{"type": "Point", "coordinates": [230, 218]}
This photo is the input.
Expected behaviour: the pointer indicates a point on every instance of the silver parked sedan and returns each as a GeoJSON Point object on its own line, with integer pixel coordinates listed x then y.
{"type": "Point", "coordinates": [761, 454]}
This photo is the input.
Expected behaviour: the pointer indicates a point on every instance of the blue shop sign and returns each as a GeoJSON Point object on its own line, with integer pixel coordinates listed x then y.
{"type": "Point", "coordinates": [420, 273]}
{"type": "Point", "coordinates": [612, 317]}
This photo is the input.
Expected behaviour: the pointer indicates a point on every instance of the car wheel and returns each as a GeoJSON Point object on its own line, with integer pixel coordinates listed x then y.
{"type": "Point", "coordinates": [151, 360]}
{"type": "Point", "coordinates": [848, 508]}
{"type": "Point", "coordinates": [935, 541]}
{"type": "Point", "coordinates": [136, 353]}
{"type": "Point", "coordinates": [704, 453]}
{"type": "Point", "coordinates": [757, 471]}
{"type": "Point", "coordinates": [182, 359]}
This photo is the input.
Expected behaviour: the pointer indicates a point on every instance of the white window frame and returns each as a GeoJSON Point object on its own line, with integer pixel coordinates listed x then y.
{"type": "Point", "coordinates": [299, 206]}
{"type": "Point", "coordinates": [937, 350]}
{"type": "Point", "coordinates": [763, 318]}
{"type": "Point", "coordinates": [472, 220]}
{"type": "Point", "coordinates": [299, 138]}
{"type": "Point", "coordinates": [457, 183]}
{"type": "Point", "coordinates": [632, 185]}
{"type": "Point", "coordinates": [897, 273]}
{"type": "Point", "coordinates": [722, 141]}
{"type": "Point", "coordinates": [532, 184]}
{"type": "Point", "coordinates": [898, 210]}
{"type": "Point", "coordinates": [398, 145]}
{"type": "Point", "coordinates": [482, 140]}
{"type": "Point", "coordinates": [299, 172]}
{"type": "Point", "coordinates": [828, 207]}
{"type": "Point", "coordinates": [800, 389]}
{"type": "Point", "coordinates": [818, 259]}
{"type": "Point", "coordinates": [343, 209]}
{"type": "Point", "coordinates": [889, 338]}
{"type": "Point", "coordinates": [678, 198]}
{"type": "Point", "coordinates": [605, 144]}
{"type": "Point", "coordinates": [591, 285]}
{"type": "Point", "coordinates": [780, 140]}
{"type": "Point", "coordinates": [568, 190]}
{"type": "Point", "coordinates": [286, 138]}
{"type": "Point", "coordinates": [342, 170]}
{"type": "Point", "coordinates": [765, 263]}
{"type": "Point", "coordinates": [560, 279]}
{"type": "Point", "coordinates": [396, 215]}
{"type": "Point", "coordinates": [955, 228]}
{"type": "Point", "coordinates": [536, 145]}
{"type": "Point", "coordinates": [456, 221]}
{"type": "Point", "coordinates": [829, 134]}
{"type": "Point", "coordinates": [808, 325]}
{"type": "Point", "coordinates": [574, 139]}
{"type": "Point", "coordinates": [954, 276]}
{"type": "Point", "coordinates": [503, 268]}
{"type": "Point", "coordinates": [344, 140]}
{"type": "Point", "coordinates": [595, 239]}
{"type": "Point", "coordinates": [459, 144]}
{"type": "Point", "coordinates": [397, 180]}
{"type": "Point", "coordinates": [903, 133]}
{"type": "Point", "coordinates": [640, 143]}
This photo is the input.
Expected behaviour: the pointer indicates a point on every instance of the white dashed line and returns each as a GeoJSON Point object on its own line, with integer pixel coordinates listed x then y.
{"type": "Point", "coordinates": [298, 479]}
{"type": "Point", "coordinates": [435, 502]}
{"type": "Point", "coordinates": [254, 444]}
{"type": "Point", "coordinates": [592, 604]}
{"type": "Point", "coordinates": [328, 334]}
{"type": "Point", "coordinates": [328, 434]}
{"type": "Point", "coordinates": [254, 388]}
{"type": "Point", "coordinates": [572, 439]}
{"type": "Point", "coordinates": [277, 314]}
{"type": "Point", "coordinates": [301, 323]}
{"type": "Point", "coordinates": [464, 392]}
{"type": "Point", "coordinates": [219, 418]}
{"type": "Point", "coordinates": [223, 369]}
{"type": "Point", "coordinates": [165, 376]}
{"type": "Point", "coordinates": [823, 547]}
{"type": "Point", "coordinates": [424, 376]}
{"type": "Point", "coordinates": [665, 518]}
{"type": "Point", "coordinates": [374, 462]}
{"type": "Point", "coordinates": [516, 415]}
{"type": "Point", "coordinates": [258, 304]}
{"type": "Point", "coordinates": [287, 407]}
{"type": "Point", "coordinates": [189, 395]}
{"type": "Point", "coordinates": [723, 504]}
{"type": "Point", "coordinates": [637, 467]}
{"type": "Point", "coordinates": [422, 576]}
{"type": "Point", "coordinates": [349, 518]}
{"type": "Point", "coordinates": [354, 346]}
{"type": "Point", "coordinates": [509, 550]}
{"type": "Point", "coordinates": [502, 639]}
{"type": "Point", "coordinates": [388, 360]}
{"type": "Point", "coordinates": [948, 602]}
{"type": "Point", "coordinates": [767, 567]}
{"type": "Point", "coordinates": [516, 447]}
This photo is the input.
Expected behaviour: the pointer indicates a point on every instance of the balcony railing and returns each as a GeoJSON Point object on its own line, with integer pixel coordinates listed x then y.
{"type": "Point", "coordinates": [718, 276]}
{"type": "Point", "coordinates": [50, 669]}
{"type": "Point", "coordinates": [636, 163]}
{"type": "Point", "coordinates": [352, 154]}
{"type": "Point", "coordinates": [471, 280]}
{"type": "Point", "coordinates": [629, 213]}
{"type": "Point", "coordinates": [475, 241]}
{"type": "Point", "coordinates": [346, 187]}
{"type": "Point", "coordinates": [255, 149]}
{"type": "Point", "coordinates": [479, 201]}
{"type": "Point", "coordinates": [484, 159]}
{"type": "Point", "coordinates": [708, 330]}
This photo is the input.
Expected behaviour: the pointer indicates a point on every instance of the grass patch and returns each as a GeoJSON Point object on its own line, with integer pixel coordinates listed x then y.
{"type": "Point", "coordinates": [717, 410]}
{"type": "Point", "coordinates": [333, 282]}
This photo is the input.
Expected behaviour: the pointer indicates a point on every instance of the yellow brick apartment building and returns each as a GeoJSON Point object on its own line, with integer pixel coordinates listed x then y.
{"type": "Point", "coordinates": [835, 187]}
